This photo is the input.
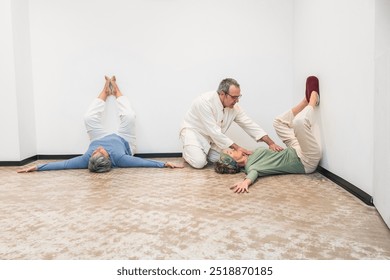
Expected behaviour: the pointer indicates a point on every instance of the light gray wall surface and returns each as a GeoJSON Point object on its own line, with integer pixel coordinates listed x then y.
{"type": "Point", "coordinates": [336, 41]}
{"type": "Point", "coordinates": [381, 166]}
{"type": "Point", "coordinates": [164, 54]}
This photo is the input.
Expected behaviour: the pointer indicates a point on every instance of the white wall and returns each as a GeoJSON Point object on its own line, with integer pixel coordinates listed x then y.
{"type": "Point", "coordinates": [381, 109]}
{"type": "Point", "coordinates": [335, 40]}
{"type": "Point", "coordinates": [18, 140]}
{"type": "Point", "coordinates": [9, 148]}
{"type": "Point", "coordinates": [23, 78]}
{"type": "Point", "coordinates": [164, 54]}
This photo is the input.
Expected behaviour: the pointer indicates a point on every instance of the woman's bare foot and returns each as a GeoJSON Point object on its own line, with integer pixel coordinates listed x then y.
{"type": "Point", "coordinates": [314, 99]}
{"type": "Point", "coordinates": [115, 88]}
{"type": "Point", "coordinates": [107, 86]}
{"type": "Point", "coordinates": [106, 90]}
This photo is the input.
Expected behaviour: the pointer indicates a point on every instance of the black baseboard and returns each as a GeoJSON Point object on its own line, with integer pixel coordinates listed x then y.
{"type": "Point", "coordinates": [64, 157]}
{"type": "Point", "coordinates": [59, 157]}
{"type": "Point", "coordinates": [19, 163]}
{"type": "Point", "coordinates": [363, 196]}
{"type": "Point", "coordinates": [159, 155]}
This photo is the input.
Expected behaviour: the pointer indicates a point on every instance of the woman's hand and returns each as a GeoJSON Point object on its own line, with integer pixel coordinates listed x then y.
{"type": "Point", "coordinates": [28, 169]}
{"type": "Point", "coordinates": [172, 165]}
{"type": "Point", "coordinates": [241, 187]}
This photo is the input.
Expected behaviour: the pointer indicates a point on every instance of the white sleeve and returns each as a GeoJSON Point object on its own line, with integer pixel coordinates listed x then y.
{"type": "Point", "coordinates": [248, 125]}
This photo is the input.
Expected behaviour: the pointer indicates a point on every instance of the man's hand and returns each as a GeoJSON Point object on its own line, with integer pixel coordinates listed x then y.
{"type": "Point", "coordinates": [245, 151]}
{"type": "Point", "coordinates": [238, 148]}
{"type": "Point", "coordinates": [275, 147]}
{"type": "Point", "coordinates": [271, 144]}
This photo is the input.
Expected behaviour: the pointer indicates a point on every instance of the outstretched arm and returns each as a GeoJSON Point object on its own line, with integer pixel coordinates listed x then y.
{"type": "Point", "coordinates": [132, 161]}
{"type": "Point", "coordinates": [79, 162]}
{"type": "Point", "coordinates": [271, 143]}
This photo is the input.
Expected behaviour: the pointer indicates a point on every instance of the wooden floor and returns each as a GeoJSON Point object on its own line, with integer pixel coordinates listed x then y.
{"type": "Point", "coordinates": [184, 214]}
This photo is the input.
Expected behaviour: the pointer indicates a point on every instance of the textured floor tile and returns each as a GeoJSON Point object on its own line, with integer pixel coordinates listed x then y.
{"type": "Point", "coordinates": [142, 213]}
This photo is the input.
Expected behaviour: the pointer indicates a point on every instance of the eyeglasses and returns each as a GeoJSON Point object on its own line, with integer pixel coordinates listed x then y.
{"type": "Point", "coordinates": [234, 97]}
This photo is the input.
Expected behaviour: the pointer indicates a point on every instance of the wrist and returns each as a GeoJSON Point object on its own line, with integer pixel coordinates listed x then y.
{"type": "Point", "coordinates": [234, 146]}
{"type": "Point", "coordinates": [267, 140]}
{"type": "Point", "coordinates": [248, 182]}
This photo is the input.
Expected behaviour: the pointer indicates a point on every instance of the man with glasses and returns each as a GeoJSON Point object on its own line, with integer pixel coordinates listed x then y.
{"type": "Point", "coordinates": [206, 122]}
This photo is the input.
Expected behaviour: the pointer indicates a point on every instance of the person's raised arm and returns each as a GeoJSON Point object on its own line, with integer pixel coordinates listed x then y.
{"type": "Point", "coordinates": [255, 131]}
{"type": "Point", "coordinates": [239, 148]}
{"type": "Point", "coordinates": [271, 144]}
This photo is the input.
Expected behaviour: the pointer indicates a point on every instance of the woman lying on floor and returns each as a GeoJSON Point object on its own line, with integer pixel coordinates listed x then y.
{"type": "Point", "coordinates": [106, 150]}
{"type": "Point", "coordinates": [302, 154]}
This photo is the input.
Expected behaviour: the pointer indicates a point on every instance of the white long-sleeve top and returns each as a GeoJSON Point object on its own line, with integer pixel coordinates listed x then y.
{"type": "Point", "coordinates": [207, 121]}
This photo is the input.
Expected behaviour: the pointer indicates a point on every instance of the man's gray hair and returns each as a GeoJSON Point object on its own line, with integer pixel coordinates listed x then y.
{"type": "Point", "coordinates": [99, 164]}
{"type": "Point", "coordinates": [225, 84]}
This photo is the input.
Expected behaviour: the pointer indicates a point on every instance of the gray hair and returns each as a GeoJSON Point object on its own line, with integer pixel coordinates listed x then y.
{"type": "Point", "coordinates": [225, 84]}
{"type": "Point", "coordinates": [99, 164]}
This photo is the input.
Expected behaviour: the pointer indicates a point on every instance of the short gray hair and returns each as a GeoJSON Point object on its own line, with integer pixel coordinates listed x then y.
{"type": "Point", "coordinates": [225, 84]}
{"type": "Point", "coordinates": [99, 164]}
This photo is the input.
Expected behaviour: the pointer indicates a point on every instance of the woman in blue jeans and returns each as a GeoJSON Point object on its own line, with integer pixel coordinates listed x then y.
{"type": "Point", "coordinates": [106, 150]}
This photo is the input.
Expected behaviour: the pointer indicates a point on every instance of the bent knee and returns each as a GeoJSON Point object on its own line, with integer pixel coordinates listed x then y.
{"type": "Point", "coordinates": [128, 118]}
{"type": "Point", "coordinates": [90, 120]}
{"type": "Point", "coordinates": [198, 164]}
{"type": "Point", "coordinates": [197, 160]}
{"type": "Point", "coordinates": [301, 123]}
